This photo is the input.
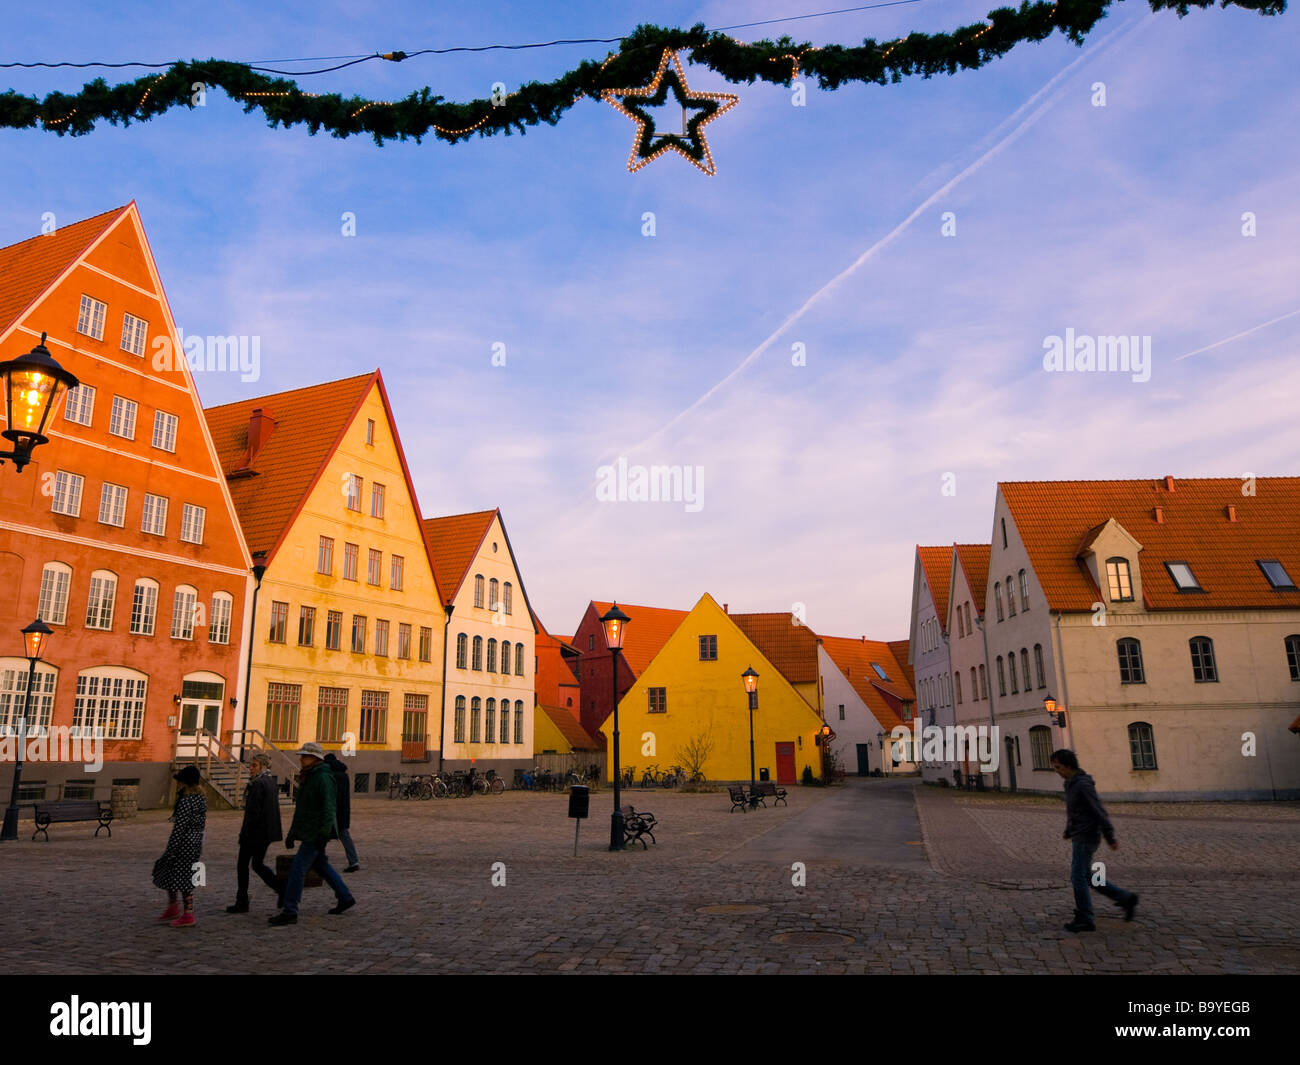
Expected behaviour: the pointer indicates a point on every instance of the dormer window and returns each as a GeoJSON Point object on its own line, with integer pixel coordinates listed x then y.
{"type": "Point", "coordinates": [1276, 574]}
{"type": "Point", "coordinates": [1120, 580]}
{"type": "Point", "coordinates": [879, 672]}
{"type": "Point", "coordinates": [1182, 576]}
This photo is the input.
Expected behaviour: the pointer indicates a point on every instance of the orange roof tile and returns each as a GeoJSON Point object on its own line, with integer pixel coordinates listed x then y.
{"type": "Point", "coordinates": [454, 541]}
{"type": "Point", "coordinates": [854, 657]}
{"type": "Point", "coordinates": [789, 647]}
{"type": "Point", "coordinates": [936, 562]}
{"type": "Point", "coordinates": [308, 424]}
{"type": "Point", "coordinates": [1053, 519]}
{"type": "Point", "coordinates": [574, 733]}
{"type": "Point", "coordinates": [647, 631]}
{"type": "Point", "coordinates": [974, 559]}
{"type": "Point", "coordinates": [902, 656]}
{"type": "Point", "coordinates": [28, 268]}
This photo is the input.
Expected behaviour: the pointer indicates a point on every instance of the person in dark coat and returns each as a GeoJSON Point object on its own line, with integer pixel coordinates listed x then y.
{"type": "Point", "coordinates": [174, 871]}
{"type": "Point", "coordinates": [1086, 822]}
{"type": "Point", "coordinates": [260, 829]}
{"type": "Point", "coordinates": [343, 809]}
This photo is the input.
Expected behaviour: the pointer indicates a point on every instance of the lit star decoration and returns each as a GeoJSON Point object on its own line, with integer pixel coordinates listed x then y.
{"type": "Point", "coordinates": [692, 146]}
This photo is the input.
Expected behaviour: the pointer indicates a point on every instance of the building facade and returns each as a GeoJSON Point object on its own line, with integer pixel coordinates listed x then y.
{"type": "Point", "coordinates": [928, 648]}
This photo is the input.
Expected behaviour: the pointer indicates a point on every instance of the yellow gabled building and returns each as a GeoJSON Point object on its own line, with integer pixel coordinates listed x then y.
{"type": "Point", "coordinates": [692, 693]}
{"type": "Point", "coordinates": [347, 640]}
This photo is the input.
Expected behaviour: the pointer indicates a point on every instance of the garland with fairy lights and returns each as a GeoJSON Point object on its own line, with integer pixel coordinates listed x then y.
{"type": "Point", "coordinates": [641, 59]}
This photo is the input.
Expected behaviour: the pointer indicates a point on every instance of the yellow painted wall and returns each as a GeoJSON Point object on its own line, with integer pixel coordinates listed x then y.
{"type": "Point", "coordinates": [709, 697]}
{"type": "Point", "coordinates": [546, 737]}
{"type": "Point", "coordinates": [292, 578]}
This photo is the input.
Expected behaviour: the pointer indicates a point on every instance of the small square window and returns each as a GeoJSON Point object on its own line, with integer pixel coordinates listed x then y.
{"type": "Point", "coordinates": [708, 648]}
{"type": "Point", "coordinates": [121, 421]}
{"type": "Point", "coordinates": [164, 430]}
{"type": "Point", "coordinates": [90, 319]}
{"type": "Point", "coordinates": [133, 334]}
{"type": "Point", "coordinates": [1276, 574]}
{"type": "Point", "coordinates": [79, 404]}
{"type": "Point", "coordinates": [1183, 578]}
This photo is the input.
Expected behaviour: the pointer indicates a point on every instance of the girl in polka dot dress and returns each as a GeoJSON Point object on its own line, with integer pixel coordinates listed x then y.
{"type": "Point", "coordinates": [174, 871]}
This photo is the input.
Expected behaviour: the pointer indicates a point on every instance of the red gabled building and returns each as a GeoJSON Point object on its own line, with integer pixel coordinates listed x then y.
{"type": "Point", "coordinates": [120, 534]}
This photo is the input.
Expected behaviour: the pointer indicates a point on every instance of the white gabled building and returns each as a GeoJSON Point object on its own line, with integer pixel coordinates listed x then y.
{"type": "Point", "coordinates": [928, 646]}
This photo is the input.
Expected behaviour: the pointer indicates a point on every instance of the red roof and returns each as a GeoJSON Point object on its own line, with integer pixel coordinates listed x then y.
{"type": "Point", "coordinates": [31, 266]}
{"type": "Point", "coordinates": [308, 425]}
{"type": "Point", "coordinates": [974, 561]}
{"type": "Point", "coordinates": [902, 655]}
{"type": "Point", "coordinates": [576, 736]}
{"type": "Point", "coordinates": [454, 542]}
{"type": "Point", "coordinates": [789, 647]}
{"type": "Point", "coordinates": [647, 632]}
{"type": "Point", "coordinates": [855, 657]}
{"type": "Point", "coordinates": [1189, 521]}
{"type": "Point", "coordinates": [936, 563]}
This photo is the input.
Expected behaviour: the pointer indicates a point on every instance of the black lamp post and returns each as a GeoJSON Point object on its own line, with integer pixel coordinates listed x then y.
{"type": "Point", "coordinates": [880, 741]}
{"type": "Point", "coordinates": [751, 686]}
{"type": "Point", "coordinates": [34, 637]}
{"type": "Point", "coordinates": [615, 624]}
{"type": "Point", "coordinates": [31, 385]}
{"type": "Point", "coordinates": [826, 735]}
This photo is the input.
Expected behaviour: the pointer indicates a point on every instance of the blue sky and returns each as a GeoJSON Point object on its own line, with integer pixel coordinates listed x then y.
{"type": "Point", "coordinates": [923, 359]}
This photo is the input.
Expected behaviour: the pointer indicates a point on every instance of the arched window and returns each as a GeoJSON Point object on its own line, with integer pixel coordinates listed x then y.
{"type": "Point", "coordinates": [478, 653]}
{"type": "Point", "coordinates": [984, 684]}
{"type": "Point", "coordinates": [494, 600]}
{"type": "Point", "coordinates": [1011, 668]}
{"type": "Point", "coordinates": [1142, 745]}
{"type": "Point", "coordinates": [1040, 745]}
{"type": "Point", "coordinates": [956, 684]}
{"type": "Point", "coordinates": [1292, 644]}
{"type": "Point", "coordinates": [968, 628]}
{"type": "Point", "coordinates": [519, 662]}
{"type": "Point", "coordinates": [1024, 665]}
{"type": "Point", "coordinates": [13, 696]}
{"type": "Point", "coordinates": [223, 606]}
{"type": "Point", "coordinates": [462, 651]}
{"type": "Point", "coordinates": [1038, 665]}
{"type": "Point", "coordinates": [1004, 533]}
{"type": "Point", "coordinates": [1011, 597]}
{"type": "Point", "coordinates": [144, 607]}
{"type": "Point", "coordinates": [99, 604]}
{"type": "Point", "coordinates": [505, 720]}
{"type": "Point", "coordinates": [492, 656]}
{"type": "Point", "coordinates": [519, 721]}
{"type": "Point", "coordinates": [460, 719]}
{"type": "Point", "coordinates": [1130, 661]}
{"type": "Point", "coordinates": [56, 579]}
{"type": "Point", "coordinates": [183, 609]}
{"type": "Point", "coordinates": [490, 722]}
{"type": "Point", "coordinates": [1204, 670]}
{"type": "Point", "coordinates": [478, 589]}
{"type": "Point", "coordinates": [1024, 590]}
{"type": "Point", "coordinates": [974, 687]}
{"type": "Point", "coordinates": [997, 597]}
{"type": "Point", "coordinates": [505, 656]}
{"type": "Point", "coordinates": [1002, 680]}
{"type": "Point", "coordinates": [110, 703]}
{"type": "Point", "coordinates": [475, 719]}
{"type": "Point", "coordinates": [961, 625]}
{"type": "Point", "coordinates": [507, 598]}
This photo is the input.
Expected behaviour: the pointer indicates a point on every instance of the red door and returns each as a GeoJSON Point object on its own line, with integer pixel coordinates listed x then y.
{"type": "Point", "coordinates": [785, 763]}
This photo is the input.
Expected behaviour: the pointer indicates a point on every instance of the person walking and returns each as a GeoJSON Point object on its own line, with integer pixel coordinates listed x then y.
{"type": "Point", "coordinates": [314, 825]}
{"type": "Point", "coordinates": [174, 871]}
{"type": "Point", "coordinates": [260, 829]}
{"type": "Point", "coordinates": [1086, 823]}
{"type": "Point", "coordinates": [343, 790]}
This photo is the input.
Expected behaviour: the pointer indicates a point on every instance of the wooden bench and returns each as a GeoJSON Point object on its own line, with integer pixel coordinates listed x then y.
{"type": "Point", "coordinates": [767, 789]}
{"type": "Point", "coordinates": [739, 801]}
{"type": "Point", "coordinates": [636, 825]}
{"type": "Point", "coordinates": [48, 813]}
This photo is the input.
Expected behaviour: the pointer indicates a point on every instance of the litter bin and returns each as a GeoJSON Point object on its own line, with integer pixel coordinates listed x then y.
{"type": "Point", "coordinates": [763, 774]}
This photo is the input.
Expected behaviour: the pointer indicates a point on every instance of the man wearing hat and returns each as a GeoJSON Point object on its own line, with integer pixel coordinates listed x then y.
{"type": "Point", "coordinates": [314, 825]}
{"type": "Point", "coordinates": [260, 829]}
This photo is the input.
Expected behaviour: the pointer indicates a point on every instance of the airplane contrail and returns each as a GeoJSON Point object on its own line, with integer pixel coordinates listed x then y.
{"type": "Point", "coordinates": [1238, 336]}
{"type": "Point", "coordinates": [1036, 111]}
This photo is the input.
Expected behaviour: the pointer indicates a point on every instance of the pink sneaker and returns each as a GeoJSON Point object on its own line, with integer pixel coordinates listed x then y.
{"type": "Point", "coordinates": [183, 921]}
{"type": "Point", "coordinates": [171, 913]}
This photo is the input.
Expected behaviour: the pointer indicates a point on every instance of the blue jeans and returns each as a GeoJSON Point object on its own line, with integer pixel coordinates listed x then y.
{"type": "Point", "coordinates": [310, 856]}
{"type": "Point", "coordinates": [1081, 880]}
{"type": "Point", "coordinates": [349, 848]}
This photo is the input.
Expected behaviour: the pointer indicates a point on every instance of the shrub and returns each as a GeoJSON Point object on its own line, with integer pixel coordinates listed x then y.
{"type": "Point", "coordinates": [807, 777]}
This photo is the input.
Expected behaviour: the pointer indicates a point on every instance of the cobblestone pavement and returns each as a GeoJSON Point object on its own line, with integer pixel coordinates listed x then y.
{"type": "Point", "coordinates": [1217, 885]}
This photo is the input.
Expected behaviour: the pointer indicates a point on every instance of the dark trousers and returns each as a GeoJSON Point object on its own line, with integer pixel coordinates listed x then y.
{"type": "Point", "coordinates": [1083, 850]}
{"type": "Point", "coordinates": [254, 854]}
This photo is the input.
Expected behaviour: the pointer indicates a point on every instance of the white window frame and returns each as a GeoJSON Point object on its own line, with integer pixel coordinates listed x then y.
{"type": "Point", "coordinates": [91, 317]}
{"type": "Point", "coordinates": [193, 518]}
{"type": "Point", "coordinates": [110, 695]}
{"type": "Point", "coordinates": [67, 494]}
{"type": "Point", "coordinates": [184, 600]}
{"type": "Point", "coordinates": [153, 515]}
{"type": "Point", "coordinates": [79, 405]}
{"type": "Point", "coordinates": [164, 429]}
{"type": "Point", "coordinates": [100, 600]}
{"type": "Point", "coordinates": [121, 419]}
{"type": "Point", "coordinates": [144, 607]}
{"type": "Point", "coordinates": [134, 333]}
{"type": "Point", "coordinates": [112, 502]}
{"type": "Point", "coordinates": [223, 606]}
{"type": "Point", "coordinates": [13, 696]}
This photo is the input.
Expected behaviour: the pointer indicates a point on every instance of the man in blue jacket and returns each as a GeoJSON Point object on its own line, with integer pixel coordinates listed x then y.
{"type": "Point", "coordinates": [1085, 824]}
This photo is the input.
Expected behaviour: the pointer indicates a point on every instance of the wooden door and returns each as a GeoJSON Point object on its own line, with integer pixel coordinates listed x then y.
{"type": "Point", "coordinates": [864, 759]}
{"type": "Point", "coordinates": [785, 763]}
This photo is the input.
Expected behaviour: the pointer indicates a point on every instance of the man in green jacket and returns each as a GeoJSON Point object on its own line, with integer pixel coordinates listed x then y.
{"type": "Point", "coordinates": [314, 825]}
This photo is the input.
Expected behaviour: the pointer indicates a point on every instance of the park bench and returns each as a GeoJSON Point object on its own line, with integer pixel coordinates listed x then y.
{"type": "Point", "coordinates": [48, 813]}
{"type": "Point", "coordinates": [739, 801]}
{"type": "Point", "coordinates": [636, 825]}
{"type": "Point", "coordinates": [767, 789]}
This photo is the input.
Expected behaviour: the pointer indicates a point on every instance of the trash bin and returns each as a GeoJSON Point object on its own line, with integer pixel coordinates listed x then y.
{"type": "Point", "coordinates": [763, 774]}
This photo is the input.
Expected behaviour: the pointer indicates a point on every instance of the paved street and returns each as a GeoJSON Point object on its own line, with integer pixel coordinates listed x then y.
{"type": "Point", "coordinates": [985, 891]}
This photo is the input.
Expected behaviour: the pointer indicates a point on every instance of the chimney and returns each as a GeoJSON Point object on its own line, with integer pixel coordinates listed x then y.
{"type": "Point", "coordinates": [1169, 483]}
{"type": "Point", "coordinates": [260, 427]}
{"type": "Point", "coordinates": [726, 609]}
{"type": "Point", "coordinates": [1158, 513]}
{"type": "Point", "coordinates": [1230, 512]}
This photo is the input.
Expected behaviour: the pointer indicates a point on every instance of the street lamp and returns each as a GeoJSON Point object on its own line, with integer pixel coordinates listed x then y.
{"type": "Point", "coordinates": [615, 625]}
{"type": "Point", "coordinates": [880, 742]}
{"type": "Point", "coordinates": [1050, 705]}
{"type": "Point", "coordinates": [826, 735]}
{"type": "Point", "coordinates": [751, 686]}
{"type": "Point", "coordinates": [31, 386]}
{"type": "Point", "coordinates": [34, 639]}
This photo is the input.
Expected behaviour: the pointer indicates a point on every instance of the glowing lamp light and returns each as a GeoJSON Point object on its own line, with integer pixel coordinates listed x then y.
{"type": "Point", "coordinates": [34, 637]}
{"type": "Point", "coordinates": [31, 394]}
{"type": "Point", "coordinates": [1049, 704]}
{"type": "Point", "coordinates": [615, 624]}
{"type": "Point", "coordinates": [751, 680]}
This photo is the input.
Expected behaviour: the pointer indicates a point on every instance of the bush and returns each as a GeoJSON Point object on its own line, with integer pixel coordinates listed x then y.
{"type": "Point", "coordinates": [808, 778]}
